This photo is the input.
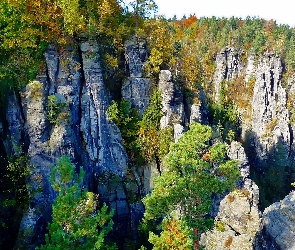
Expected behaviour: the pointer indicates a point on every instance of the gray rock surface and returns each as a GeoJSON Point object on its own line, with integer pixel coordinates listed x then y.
{"type": "Point", "coordinates": [136, 88]}
{"type": "Point", "coordinates": [270, 118]}
{"type": "Point", "coordinates": [228, 67]}
{"type": "Point", "coordinates": [236, 224]}
{"type": "Point", "coordinates": [236, 152]}
{"type": "Point", "coordinates": [81, 131]}
{"type": "Point", "coordinates": [237, 218]}
{"type": "Point", "coordinates": [172, 104]}
{"type": "Point", "coordinates": [278, 226]}
{"type": "Point", "coordinates": [102, 137]}
{"type": "Point", "coordinates": [198, 112]}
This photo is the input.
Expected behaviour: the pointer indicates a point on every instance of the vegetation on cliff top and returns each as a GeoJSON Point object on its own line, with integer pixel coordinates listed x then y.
{"type": "Point", "coordinates": [187, 47]}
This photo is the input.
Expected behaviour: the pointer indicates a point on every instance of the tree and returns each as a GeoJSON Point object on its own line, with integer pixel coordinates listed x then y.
{"type": "Point", "coordinates": [194, 170]}
{"type": "Point", "coordinates": [76, 221]}
{"type": "Point", "coordinates": [126, 118]}
{"type": "Point", "coordinates": [149, 126]}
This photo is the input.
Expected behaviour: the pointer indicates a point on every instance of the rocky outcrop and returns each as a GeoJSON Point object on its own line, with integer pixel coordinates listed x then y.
{"type": "Point", "coordinates": [102, 137]}
{"type": "Point", "coordinates": [136, 88]}
{"type": "Point", "coordinates": [278, 226]}
{"type": "Point", "coordinates": [172, 104]}
{"type": "Point", "coordinates": [228, 67]}
{"type": "Point", "coordinates": [237, 216]}
{"type": "Point", "coordinates": [198, 112]}
{"type": "Point", "coordinates": [73, 91]}
{"type": "Point", "coordinates": [235, 225]}
{"type": "Point", "coordinates": [270, 118]}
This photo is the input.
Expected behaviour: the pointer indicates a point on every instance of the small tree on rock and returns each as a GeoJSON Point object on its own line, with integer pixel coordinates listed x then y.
{"type": "Point", "coordinates": [193, 171]}
{"type": "Point", "coordinates": [76, 221]}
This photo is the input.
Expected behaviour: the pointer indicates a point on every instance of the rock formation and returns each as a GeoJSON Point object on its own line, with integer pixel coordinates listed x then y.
{"type": "Point", "coordinates": [238, 217]}
{"type": "Point", "coordinates": [136, 88]}
{"type": "Point", "coordinates": [172, 104]}
{"type": "Point", "coordinates": [80, 129]}
{"type": "Point", "coordinates": [270, 118]}
{"type": "Point", "coordinates": [228, 67]}
{"type": "Point", "coordinates": [278, 226]}
{"type": "Point", "coordinates": [72, 91]}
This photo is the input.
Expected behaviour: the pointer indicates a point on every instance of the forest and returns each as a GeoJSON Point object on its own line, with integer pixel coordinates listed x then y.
{"type": "Point", "coordinates": [190, 171]}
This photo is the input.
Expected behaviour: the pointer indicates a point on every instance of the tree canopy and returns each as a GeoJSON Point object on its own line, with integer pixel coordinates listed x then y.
{"type": "Point", "coordinates": [193, 170]}
{"type": "Point", "coordinates": [77, 223]}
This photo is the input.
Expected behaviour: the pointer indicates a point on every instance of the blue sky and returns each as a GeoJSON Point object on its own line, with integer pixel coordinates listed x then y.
{"type": "Point", "coordinates": [282, 11]}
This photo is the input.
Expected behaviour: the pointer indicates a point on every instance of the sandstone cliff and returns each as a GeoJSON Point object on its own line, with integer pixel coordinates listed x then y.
{"type": "Point", "coordinates": [82, 130]}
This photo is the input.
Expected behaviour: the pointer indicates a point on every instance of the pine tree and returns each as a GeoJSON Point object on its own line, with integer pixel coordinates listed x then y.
{"type": "Point", "coordinates": [194, 170]}
{"type": "Point", "coordinates": [76, 221]}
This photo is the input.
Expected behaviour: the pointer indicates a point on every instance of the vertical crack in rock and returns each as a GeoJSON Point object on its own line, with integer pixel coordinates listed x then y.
{"type": "Point", "coordinates": [102, 137]}
{"type": "Point", "coordinates": [137, 88]}
{"type": "Point", "coordinates": [172, 104]}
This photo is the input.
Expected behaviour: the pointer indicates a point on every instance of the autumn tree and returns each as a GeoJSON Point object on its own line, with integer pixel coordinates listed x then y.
{"type": "Point", "coordinates": [194, 170]}
{"type": "Point", "coordinates": [149, 127]}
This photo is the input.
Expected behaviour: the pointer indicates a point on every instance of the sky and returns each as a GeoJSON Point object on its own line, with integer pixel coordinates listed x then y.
{"type": "Point", "coordinates": [282, 11]}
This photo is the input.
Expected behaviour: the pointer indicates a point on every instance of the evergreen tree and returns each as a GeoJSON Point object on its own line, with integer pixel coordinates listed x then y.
{"type": "Point", "coordinates": [76, 221]}
{"type": "Point", "coordinates": [194, 170]}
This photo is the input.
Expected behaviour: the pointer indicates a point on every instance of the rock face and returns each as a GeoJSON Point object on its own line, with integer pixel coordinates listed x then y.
{"type": "Point", "coordinates": [228, 67]}
{"type": "Point", "coordinates": [79, 128]}
{"type": "Point", "coordinates": [235, 225]}
{"type": "Point", "coordinates": [278, 226]}
{"type": "Point", "coordinates": [102, 137]}
{"type": "Point", "coordinates": [63, 112]}
{"type": "Point", "coordinates": [172, 104]}
{"type": "Point", "coordinates": [199, 112]}
{"type": "Point", "coordinates": [270, 118]}
{"type": "Point", "coordinates": [238, 218]}
{"type": "Point", "coordinates": [137, 88]}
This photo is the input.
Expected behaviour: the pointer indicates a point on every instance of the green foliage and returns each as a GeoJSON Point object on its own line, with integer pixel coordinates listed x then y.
{"type": "Point", "coordinates": [194, 170]}
{"type": "Point", "coordinates": [27, 27]}
{"type": "Point", "coordinates": [165, 140]}
{"type": "Point", "coordinates": [77, 223]}
{"type": "Point", "coordinates": [126, 118]}
{"type": "Point", "coordinates": [149, 126]}
{"type": "Point", "coordinates": [175, 235]}
{"type": "Point", "coordinates": [14, 196]}
{"type": "Point", "coordinates": [56, 110]}
{"type": "Point", "coordinates": [225, 117]}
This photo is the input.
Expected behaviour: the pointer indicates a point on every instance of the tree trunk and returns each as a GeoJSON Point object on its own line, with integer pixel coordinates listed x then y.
{"type": "Point", "coordinates": [196, 242]}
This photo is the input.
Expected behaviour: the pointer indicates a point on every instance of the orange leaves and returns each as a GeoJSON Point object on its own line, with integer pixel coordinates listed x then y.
{"type": "Point", "coordinates": [175, 235]}
{"type": "Point", "coordinates": [189, 21]}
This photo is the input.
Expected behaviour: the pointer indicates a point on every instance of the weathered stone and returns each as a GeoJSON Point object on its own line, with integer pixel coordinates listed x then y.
{"type": "Point", "coordinates": [278, 226]}
{"type": "Point", "coordinates": [136, 88]}
{"type": "Point", "coordinates": [137, 91]}
{"type": "Point", "coordinates": [81, 131]}
{"type": "Point", "coordinates": [172, 104]}
{"type": "Point", "coordinates": [102, 137]}
{"type": "Point", "coordinates": [136, 55]}
{"type": "Point", "coordinates": [236, 224]}
{"type": "Point", "coordinates": [199, 112]}
{"type": "Point", "coordinates": [228, 67]}
{"type": "Point", "coordinates": [270, 119]}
